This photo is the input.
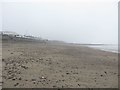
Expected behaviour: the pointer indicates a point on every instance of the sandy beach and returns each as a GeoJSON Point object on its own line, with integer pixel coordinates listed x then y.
{"type": "Point", "coordinates": [0, 64]}
{"type": "Point", "coordinates": [49, 65]}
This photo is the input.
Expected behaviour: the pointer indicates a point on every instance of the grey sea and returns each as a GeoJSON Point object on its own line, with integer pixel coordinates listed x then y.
{"type": "Point", "coordinates": [106, 47]}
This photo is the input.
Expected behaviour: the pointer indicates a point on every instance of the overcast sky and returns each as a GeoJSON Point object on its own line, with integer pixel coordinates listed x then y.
{"type": "Point", "coordinates": [80, 21]}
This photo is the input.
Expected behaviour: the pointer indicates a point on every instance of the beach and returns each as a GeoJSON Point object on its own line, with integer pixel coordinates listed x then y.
{"type": "Point", "coordinates": [0, 64]}
{"type": "Point", "coordinates": [52, 65]}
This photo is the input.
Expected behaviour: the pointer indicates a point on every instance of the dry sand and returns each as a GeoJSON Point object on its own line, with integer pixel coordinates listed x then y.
{"type": "Point", "coordinates": [41, 65]}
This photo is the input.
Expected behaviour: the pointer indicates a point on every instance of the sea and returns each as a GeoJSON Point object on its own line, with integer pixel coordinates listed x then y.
{"type": "Point", "coordinates": [106, 47]}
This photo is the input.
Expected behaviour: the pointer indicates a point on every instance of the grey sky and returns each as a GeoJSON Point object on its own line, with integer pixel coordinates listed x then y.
{"type": "Point", "coordinates": [81, 22]}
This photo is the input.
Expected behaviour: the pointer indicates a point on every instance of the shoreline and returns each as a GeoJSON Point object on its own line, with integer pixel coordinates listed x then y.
{"type": "Point", "coordinates": [113, 51]}
{"type": "Point", "coordinates": [103, 48]}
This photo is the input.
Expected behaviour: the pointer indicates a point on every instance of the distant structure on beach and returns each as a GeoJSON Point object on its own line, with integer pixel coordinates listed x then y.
{"type": "Point", "coordinates": [8, 33]}
{"type": "Point", "coordinates": [13, 35]}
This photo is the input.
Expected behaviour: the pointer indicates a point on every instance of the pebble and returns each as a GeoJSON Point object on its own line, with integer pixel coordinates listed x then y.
{"type": "Point", "coordinates": [20, 78]}
{"type": "Point", "coordinates": [26, 80]}
{"type": "Point", "coordinates": [16, 84]}
{"type": "Point", "coordinates": [67, 73]}
{"type": "Point", "coordinates": [11, 53]}
{"type": "Point", "coordinates": [54, 86]}
{"type": "Point", "coordinates": [78, 84]}
{"type": "Point", "coordinates": [42, 77]}
{"type": "Point", "coordinates": [24, 67]}
{"type": "Point", "coordinates": [33, 79]}
{"type": "Point", "coordinates": [34, 82]}
{"type": "Point", "coordinates": [1, 82]}
{"type": "Point", "coordinates": [105, 72]}
{"type": "Point", "coordinates": [3, 59]}
{"type": "Point", "coordinates": [13, 79]}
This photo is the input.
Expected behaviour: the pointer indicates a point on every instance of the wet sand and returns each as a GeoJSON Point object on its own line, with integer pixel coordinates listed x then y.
{"type": "Point", "coordinates": [45, 65]}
